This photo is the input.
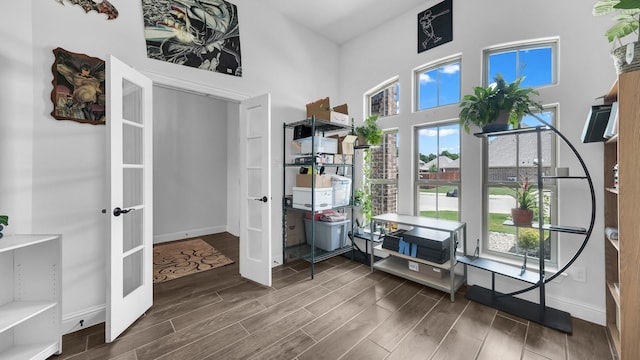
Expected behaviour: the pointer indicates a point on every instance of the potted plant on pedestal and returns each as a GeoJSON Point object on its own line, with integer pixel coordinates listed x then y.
{"type": "Point", "coordinates": [526, 197]}
{"type": "Point", "coordinates": [495, 107]}
{"type": "Point", "coordinates": [627, 21]}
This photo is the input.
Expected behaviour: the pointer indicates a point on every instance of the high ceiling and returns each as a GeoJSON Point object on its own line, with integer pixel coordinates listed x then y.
{"type": "Point", "coordinates": [342, 20]}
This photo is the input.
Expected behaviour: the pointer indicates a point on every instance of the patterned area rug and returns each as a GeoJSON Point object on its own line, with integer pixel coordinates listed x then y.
{"type": "Point", "coordinates": [182, 258]}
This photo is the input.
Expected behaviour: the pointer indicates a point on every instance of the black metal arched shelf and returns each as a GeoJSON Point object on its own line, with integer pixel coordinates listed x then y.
{"type": "Point", "coordinates": [537, 312]}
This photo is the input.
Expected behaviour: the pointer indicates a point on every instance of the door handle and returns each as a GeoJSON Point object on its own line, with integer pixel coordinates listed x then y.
{"type": "Point", "coordinates": [117, 211]}
{"type": "Point", "coordinates": [263, 199]}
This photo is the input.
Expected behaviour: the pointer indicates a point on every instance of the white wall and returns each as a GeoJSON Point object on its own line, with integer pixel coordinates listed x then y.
{"type": "Point", "coordinates": [585, 72]}
{"type": "Point", "coordinates": [189, 163]}
{"type": "Point", "coordinates": [55, 182]}
{"type": "Point", "coordinates": [16, 119]}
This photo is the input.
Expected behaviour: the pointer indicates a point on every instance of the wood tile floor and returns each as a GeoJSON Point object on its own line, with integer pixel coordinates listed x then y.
{"type": "Point", "coordinates": [346, 312]}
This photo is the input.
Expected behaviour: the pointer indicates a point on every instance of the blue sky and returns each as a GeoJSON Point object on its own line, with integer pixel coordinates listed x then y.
{"type": "Point", "coordinates": [533, 63]}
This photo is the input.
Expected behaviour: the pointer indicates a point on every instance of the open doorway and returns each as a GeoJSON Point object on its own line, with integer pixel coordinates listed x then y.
{"type": "Point", "coordinates": [192, 158]}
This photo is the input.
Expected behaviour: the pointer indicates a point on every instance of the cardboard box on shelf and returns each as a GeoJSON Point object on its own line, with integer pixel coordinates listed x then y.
{"type": "Point", "coordinates": [295, 228]}
{"type": "Point", "coordinates": [321, 181]}
{"type": "Point", "coordinates": [323, 111]}
{"type": "Point", "coordinates": [345, 143]}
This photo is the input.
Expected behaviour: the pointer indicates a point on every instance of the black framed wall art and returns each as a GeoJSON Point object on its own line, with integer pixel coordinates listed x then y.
{"type": "Point", "coordinates": [435, 26]}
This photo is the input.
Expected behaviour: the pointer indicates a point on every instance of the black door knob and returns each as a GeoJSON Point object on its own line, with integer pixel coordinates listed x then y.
{"type": "Point", "coordinates": [117, 211]}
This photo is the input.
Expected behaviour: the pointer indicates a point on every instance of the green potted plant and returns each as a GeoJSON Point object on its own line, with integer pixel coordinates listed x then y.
{"type": "Point", "coordinates": [526, 197]}
{"type": "Point", "coordinates": [495, 107]}
{"type": "Point", "coordinates": [364, 202]}
{"type": "Point", "coordinates": [369, 133]}
{"type": "Point", "coordinates": [627, 20]}
{"type": "Point", "coordinates": [528, 239]}
{"type": "Point", "coordinates": [4, 221]}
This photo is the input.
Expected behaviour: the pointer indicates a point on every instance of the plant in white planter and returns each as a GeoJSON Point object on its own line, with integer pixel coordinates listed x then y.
{"type": "Point", "coordinates": [627, 21]}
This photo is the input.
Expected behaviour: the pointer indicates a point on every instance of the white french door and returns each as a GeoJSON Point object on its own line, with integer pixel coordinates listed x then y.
{"type": "Point", "coordinates": [255, 189]}
{"type": "Point", "coordinates": [130, 174]}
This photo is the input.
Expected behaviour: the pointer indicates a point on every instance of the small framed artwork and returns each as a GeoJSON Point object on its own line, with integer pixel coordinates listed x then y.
{"type": "Point", "coordinates": [78, 92]}
{"type": "Point", "coordinates": [435, 26]}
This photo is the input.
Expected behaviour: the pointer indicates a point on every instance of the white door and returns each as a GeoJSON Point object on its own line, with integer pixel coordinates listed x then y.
{"type": "Point", "coordinates": [255, 189]}
{"type": "Point", "coordinates": [129, 164]}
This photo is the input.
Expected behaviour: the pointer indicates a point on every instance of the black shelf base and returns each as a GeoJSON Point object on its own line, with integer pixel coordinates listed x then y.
{"type": "Point", "coordinates": [551, 318]}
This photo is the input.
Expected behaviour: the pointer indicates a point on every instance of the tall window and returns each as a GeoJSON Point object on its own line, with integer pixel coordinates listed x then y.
{"type": "Point", "coordinates": [514, 158]}
{"type": "Point", "coordinates": [438, 171]}
{"type": "Point", "coordinates": [535, 60]}
{"type": "Point", "coordinates": [385, 100]}
{"type": "Point", "coordinates": [384, 174]}
{"type": "Point", "coordinates": [438, 84]}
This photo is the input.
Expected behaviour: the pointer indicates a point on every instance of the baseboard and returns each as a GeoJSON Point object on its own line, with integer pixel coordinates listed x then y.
{"type": "Point", "coordinates": [88, 317]}
{"type": "Point", "coordinates": [577, 309]}
{"type": "Point", "coordinates": [157, 239]}
{"type": "Point", "coordinates": [233, 230]}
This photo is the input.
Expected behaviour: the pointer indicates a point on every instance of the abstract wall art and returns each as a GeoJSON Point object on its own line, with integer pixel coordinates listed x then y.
{"type": "Point", "coordinates": [203, 34]}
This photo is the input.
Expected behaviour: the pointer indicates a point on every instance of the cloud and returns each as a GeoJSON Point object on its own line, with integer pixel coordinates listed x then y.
{"type": "Point", "coordinates": [425, 78]}
{"type": "Point", "coordinates": [429, 132]}
{"type": "Point", "coordinates": [434, 132]}
{"type": "Point", "coordinates": [451, 68]}
{"type": "Point", "coordinates": [447, 69]}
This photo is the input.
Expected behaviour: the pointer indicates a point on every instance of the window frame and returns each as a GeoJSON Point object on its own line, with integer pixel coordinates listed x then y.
{"type": "Point", "coordinates": [552, 42]}
{"type": "Point", "coordinates": [395, 81]}
{"type": "Point", "coordinates": [437, 182]}
{"type": "Point", "coordinates": [435, 65]}
{"type": "Point", "coordinates": [549, 186]}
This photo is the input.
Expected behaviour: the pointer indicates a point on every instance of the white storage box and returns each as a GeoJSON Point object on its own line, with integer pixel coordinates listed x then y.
{"type": "Point", "coordinates": [341, 190]}
{"type": "Point", "coordinates": [302, 198]}
{"type": "Point", "coordinates": [328, 235]}
{"type": "Point", "coordinates": [322, 145]}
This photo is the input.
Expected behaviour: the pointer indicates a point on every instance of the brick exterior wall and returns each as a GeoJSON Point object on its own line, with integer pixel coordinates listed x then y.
{"type": "Point", "coordinates": [384, 166]}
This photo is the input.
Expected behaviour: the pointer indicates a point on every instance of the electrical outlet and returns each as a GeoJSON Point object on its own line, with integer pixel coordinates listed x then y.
{"type": "Point", "coordinates": [580, 274]}
{"type": "Point", "coordinates": [413, 266]}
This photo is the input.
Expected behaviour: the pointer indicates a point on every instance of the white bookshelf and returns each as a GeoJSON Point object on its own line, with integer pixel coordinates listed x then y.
{"type": "Point", "coordinates": [30, 300]}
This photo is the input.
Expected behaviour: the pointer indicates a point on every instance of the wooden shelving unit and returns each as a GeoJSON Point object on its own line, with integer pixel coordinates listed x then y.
{"type": "Point", "coordinates": [620, 211]}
